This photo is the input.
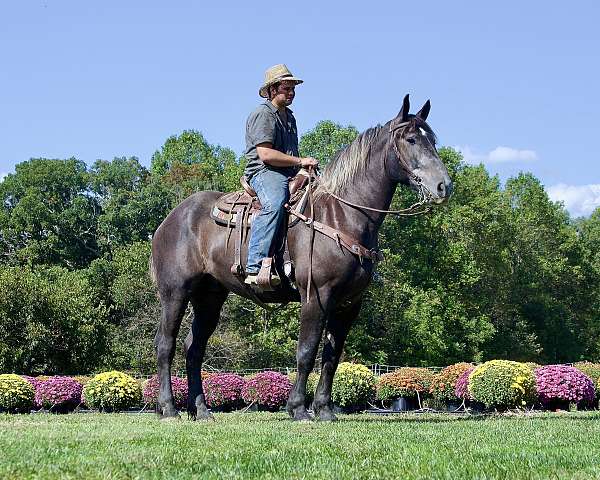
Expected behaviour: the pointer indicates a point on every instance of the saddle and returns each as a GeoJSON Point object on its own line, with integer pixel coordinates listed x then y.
{"type": "Point", "coordinates": [226, 209]}
{"type": "Point", "coordinates": [237, 211]}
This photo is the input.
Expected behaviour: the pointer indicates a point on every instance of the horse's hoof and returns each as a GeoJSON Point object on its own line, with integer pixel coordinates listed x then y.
{"type": "Point", "coordinates": [301, 415]}
{"type": "Point", "coordinates": [169, 412]}
{"type": "Point", "coordinates": [326, 415]}
{"type": "Point", "coordinates": [201, 414]}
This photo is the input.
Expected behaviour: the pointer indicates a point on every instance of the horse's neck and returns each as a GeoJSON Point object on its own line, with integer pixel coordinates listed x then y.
{"type": "Point", "coordinates": [373, 189]}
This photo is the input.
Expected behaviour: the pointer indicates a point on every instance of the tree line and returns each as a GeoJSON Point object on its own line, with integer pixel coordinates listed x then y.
{"type": "Point", "coordinates": [499, 272]}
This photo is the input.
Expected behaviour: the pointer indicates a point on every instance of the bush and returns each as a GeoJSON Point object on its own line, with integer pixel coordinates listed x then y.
{"type": "Point", "coordinates": [563, 383]}
{"type": "Point", "coordinates": [444, 382]}
{"type": "Point", "coordinates": [224, 391]}
{"type": "Point", "coordinates": [34, 381]}
{"type": "Point", "coordinates": [502, 384]}
{"type": "Point", "coordinates": [151, 388]}
{"type": "Point", "coordinates": [268, 390]}
{"type": "Point", "coordinates": [407, 382]}
{"type": "Point", "coordinates": [461, 390]}
{"type": "Point", "coordinates": [112, 391]}
{"type": "Point", "coordinates": [61, 394]}
{"type": "Point", "coordinates": [592, 370]}
{"type": "Point", "coordinates": [16, 394]}
{"type": "Point", "coordinates": [353, 385]}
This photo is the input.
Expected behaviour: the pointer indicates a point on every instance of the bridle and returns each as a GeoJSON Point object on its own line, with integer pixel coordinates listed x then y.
{"type": "Point", "coordinates": [425, 195]}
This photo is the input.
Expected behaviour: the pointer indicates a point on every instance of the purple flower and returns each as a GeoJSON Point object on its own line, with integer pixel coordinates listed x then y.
{"type": "Point", "coordinates": [561, 382]}
{"type": "Point", "coordinates": [58, 392]}
{"type": "Point", "coordinates": [223, 390]}
{"type": "Point", "coordinates": [461, 390]}
{"type": "Point", "coordinates": [268, 389]}
{"type": "Point", "coordinates": [180, 390]}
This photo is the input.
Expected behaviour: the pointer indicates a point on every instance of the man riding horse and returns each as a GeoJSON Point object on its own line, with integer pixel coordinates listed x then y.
{"type": "Point", "coordinates": [273, 158]}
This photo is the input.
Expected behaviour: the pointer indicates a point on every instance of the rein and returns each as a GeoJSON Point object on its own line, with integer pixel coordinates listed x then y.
{"type": "Point", "coordinates": [418, 208]}
{"type": "Point", "coordinates": [424, 193]}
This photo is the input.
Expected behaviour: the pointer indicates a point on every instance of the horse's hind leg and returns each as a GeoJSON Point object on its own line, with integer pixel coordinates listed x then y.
{"type": "Point", "coordinates": [338, 327]}
{"type": "Point", "coordinates": [173, 308]}
{"type": "Point", "coordinates": [207, 308]}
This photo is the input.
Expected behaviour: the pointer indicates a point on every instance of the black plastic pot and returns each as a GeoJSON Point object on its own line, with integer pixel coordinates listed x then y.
{"type": "Point", "coordinates": [404, 404]}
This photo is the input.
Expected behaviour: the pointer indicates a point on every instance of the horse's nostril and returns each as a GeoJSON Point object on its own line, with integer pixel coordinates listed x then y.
{"type": "Point", "coordinates": [441, 188]}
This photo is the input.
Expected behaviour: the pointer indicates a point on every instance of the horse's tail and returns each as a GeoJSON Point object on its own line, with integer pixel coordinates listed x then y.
{"type": "Point", "coordinates": [151, 270]}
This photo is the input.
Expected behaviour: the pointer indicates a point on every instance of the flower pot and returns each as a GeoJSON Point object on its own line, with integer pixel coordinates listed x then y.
{"type": "Point", "coordinates": [555, 405]}
{"type": "Point", "coordinates": [453, 406]}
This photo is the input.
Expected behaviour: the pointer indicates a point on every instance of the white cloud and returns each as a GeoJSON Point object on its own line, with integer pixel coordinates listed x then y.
{"type": "Point", "coordinates": [579, 200]}
{"type": "Point", "coordinates": [497, 155]}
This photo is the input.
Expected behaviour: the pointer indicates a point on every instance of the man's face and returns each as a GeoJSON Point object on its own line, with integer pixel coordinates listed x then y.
{"type": "Point", "coordinates": [286, 91]}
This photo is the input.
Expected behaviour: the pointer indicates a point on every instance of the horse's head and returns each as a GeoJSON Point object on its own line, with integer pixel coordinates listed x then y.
{"type": "Point", "coordinates": [418, 163]}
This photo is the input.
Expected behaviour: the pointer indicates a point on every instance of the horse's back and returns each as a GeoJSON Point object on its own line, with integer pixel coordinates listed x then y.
{"type": "Point", "coordinates": [180, 244]}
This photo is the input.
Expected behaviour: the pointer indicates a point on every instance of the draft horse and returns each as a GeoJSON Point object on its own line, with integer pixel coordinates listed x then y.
{"type": "Point", "coordinates": [191, 258]}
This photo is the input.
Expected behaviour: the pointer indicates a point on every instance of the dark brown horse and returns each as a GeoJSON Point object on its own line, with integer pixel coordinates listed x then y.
{"type": "Point", "coordinates": [191, 260]}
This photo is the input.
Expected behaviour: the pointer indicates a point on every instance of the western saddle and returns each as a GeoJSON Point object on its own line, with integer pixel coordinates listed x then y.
{"type": "Point", "coordinates": [237, 210]}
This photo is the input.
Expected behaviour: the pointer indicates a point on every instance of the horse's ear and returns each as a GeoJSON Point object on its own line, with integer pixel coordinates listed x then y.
{"type": "Point", "coordinates": [403, 114]}
{"type": "Point", "coordinates": [424, 112]}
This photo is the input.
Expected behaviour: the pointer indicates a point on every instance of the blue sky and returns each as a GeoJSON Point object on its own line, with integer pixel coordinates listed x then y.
{"type": "Point", "coordinates": [512, 84]}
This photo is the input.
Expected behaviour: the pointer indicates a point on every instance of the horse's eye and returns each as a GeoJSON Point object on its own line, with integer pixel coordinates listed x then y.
{"type": "Point", "coordinates": [411, 140]}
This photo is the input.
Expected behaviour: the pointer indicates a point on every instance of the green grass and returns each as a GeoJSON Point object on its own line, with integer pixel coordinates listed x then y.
{"type": "Point", "coordinates": [262, 445]}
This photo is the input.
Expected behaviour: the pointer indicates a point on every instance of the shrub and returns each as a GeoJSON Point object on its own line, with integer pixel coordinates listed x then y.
{"type": "Point", "coordinates": [267, 389]}
{"type": "Point", "coordinates": [502, 384]}
{"type": "Point", "coordinates": [224, 390]}
{"type": "Point", "coordinates": [16, 394]}
{"type": "Point", "coordinates": [112, 391]}
{"type": "Point", "coordinates": [444, 382]}
{"type": "Point", "coordinates": [461, 390]}
{"type": "Point", "coordinates": [404, 382]}
{"type": "Point", "coordinates": [563, 383]}
{"type": "Point", "coordinates": [592, 370]}
{"type": "Point", "coordinates": [34, 381]}
{"type": "Point", "coordinates": [151, 388]}
{"type": "Point", "coordinates": [353, 385]}
{"type": "Point", "coordinates": [59, 393]}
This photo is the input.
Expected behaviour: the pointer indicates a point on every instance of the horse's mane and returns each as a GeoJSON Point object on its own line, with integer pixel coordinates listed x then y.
{"type": "Point", "coordinates": [348, 162]}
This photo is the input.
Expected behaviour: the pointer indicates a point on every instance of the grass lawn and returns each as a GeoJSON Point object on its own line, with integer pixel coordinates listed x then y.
{"type": "Point", "coordinates": [263, 445]}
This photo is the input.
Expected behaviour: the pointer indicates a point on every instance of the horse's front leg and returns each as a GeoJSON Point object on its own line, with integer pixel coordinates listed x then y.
{"type": "Point", "coordinates": [338, 327]}
{"type": "Point", "coordinates": [312, 321]}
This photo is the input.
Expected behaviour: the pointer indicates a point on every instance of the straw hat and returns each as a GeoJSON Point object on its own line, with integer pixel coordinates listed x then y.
{"type": "Point", "coordinates": [277, 73]}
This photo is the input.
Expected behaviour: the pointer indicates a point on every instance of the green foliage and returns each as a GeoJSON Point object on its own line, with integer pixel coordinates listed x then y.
{"type": "Point", "coordinates": [112, 391]}
{"type": "Point", "coordinates": [404, 382]}
{"type": "Point", "coordinates": [502, 384]}
{"type": "Point", "coordinates": [323, 141]}
{"type": "Point", "coordinates": [16, 394]}
{"type": "Point", "coordinates": [353, 385]}
{"type": "Point", "coordinates": [47, 215]}
{"type": "Point", "coordinates": [592, 370]}
{"type": "Point", "coordinates": [50, 321]}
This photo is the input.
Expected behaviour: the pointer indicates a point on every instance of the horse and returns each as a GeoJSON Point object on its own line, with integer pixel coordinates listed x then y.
{"type": "Point", "coordinates": [191, 259]}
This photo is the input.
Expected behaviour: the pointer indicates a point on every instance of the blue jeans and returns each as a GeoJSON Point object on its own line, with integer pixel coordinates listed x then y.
{"type": "Point", "coordinates": [273, 191]}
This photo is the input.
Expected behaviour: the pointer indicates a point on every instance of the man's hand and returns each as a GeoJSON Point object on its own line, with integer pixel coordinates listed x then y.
{"type": "Point", "coordinates": [308, 162]}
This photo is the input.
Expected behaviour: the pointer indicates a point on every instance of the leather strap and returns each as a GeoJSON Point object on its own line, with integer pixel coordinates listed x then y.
{"type": "Point", "coordinates": [342, 239]}
{"type": "Point", "coordinates": [237, 269]}
{"type": "Point", "coordinates": [263, 280]}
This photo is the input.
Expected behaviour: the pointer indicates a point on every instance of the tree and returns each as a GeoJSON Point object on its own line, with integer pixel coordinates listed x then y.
{"type": "Point", "coordinates": [48, 214]}
{"type": "Point", "coordinates": [323, 141]}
